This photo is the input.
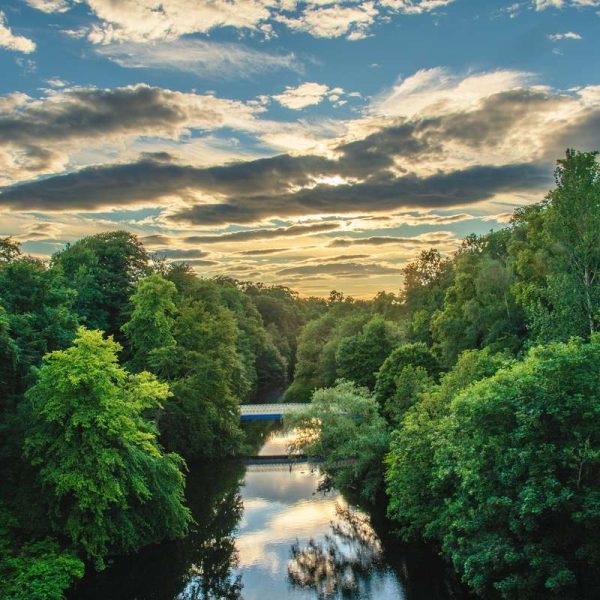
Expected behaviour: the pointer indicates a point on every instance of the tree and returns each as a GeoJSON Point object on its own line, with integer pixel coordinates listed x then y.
{"type": "Point", "coordinates": [104, 269]}
{"type": "Point", "coordinates": [359, 357]}
{"type": "Point", "coordinates": [38, 317]}
{"type": "Point", "coordinates": [9, 250]}
{"type": "Point", "coordinates": [415, 498]}
{"type": "Point", "coordinates": [151, 323]}
{"type": "Point", "coordinates": [415, 354]}
{"type": "Point", "coordinates": [343, 426]}
{"type": "Point", "coordinates": [521, 452]}
{"type": "Point", "coordinates": [572, 224]}
{"type": "Point", "coordinates": [40, 570]}
{"type": "Point", "coordinates": [479, 307]}
{"type": "Point", "coordinates": [202, 417]}
{"type": "Point", "coordinates": [425, 281]}
{"type": "Point", "coordinates": [108, 484]}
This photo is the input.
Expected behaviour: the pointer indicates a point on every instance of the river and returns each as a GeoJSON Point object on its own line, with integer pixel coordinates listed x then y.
{"type": "Point", "coordinates": [267, 531]}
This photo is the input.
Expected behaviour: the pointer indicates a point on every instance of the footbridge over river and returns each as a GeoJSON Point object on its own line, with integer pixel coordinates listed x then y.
{"type": "Point", "coordinates": [254, 412]}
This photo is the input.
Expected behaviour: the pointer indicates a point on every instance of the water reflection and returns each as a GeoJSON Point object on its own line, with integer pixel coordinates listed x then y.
{"type": "Point", "coordinates": [344, 561]}
{"type": "Point", "coordinates": [265, 534]}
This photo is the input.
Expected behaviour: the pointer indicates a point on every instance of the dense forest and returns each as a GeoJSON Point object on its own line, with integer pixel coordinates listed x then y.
{"type": "Point", "coordinates": [469, 401]}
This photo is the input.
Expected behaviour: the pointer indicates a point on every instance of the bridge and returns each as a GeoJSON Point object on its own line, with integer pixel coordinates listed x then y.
{"type": "Point", "coordinates": [255, 412]}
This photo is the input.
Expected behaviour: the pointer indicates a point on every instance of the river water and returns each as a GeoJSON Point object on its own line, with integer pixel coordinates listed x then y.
{"type": "Point", "coordinates": [269, 531]}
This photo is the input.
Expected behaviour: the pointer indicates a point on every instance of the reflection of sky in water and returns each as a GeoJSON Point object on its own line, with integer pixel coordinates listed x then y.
{"type": "Point", "coordinates": [277, 444]}
{"type": "Point", "coordinates": [280, 509]}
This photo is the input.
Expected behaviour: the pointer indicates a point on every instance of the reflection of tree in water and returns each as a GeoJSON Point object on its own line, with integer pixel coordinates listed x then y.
{"type": "Point", "coordinates": [197, 567]}
{"type": "Point", "coordinates": [214, 554]}
{"type": "Point", "coordinates": [343, 561]}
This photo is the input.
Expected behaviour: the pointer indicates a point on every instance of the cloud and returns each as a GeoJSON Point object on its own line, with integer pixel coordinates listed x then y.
{"type": "Point", "coordinates": [195, 262]}
{"type": "Point", "coordinates": [415, 7]}
{"type": "Point", "coordinates": [263, 234]}
{"type": "Point", "coordinates": [39, 135]}
{"type": "Point", "coordinates": [569, 35]}
{"type": "Point", "coordinates": [144, 21]}
{"type": "Point", "coordinates": [141, 21]}
{"type": "Point", "coordinates": [306, 94]}
{"type": "Point", "coordinates": [263, 252]}
{"type": "Point", "coordinates": [181, 253]}
{"type": "Point", "coordinates": [200, 57]}
{"type": "Point", "coordinates": [156, 240]}
{"type": "Point", "coordinates": [334, 21]}
{"type": "Point", "coordinates": [438, 90]}
{"type": "Point", "coordinates": [341, 269]}
{"type": "Point", "coordinates": [49, 6]}
{"type": "Point", "coordinates": [11, 41]}
{"type": "Point", "coordinates": [440, 156]}
{"type": "Point", "coordinates": [379, 193]}
{"type": "Point", "coordinates": [545, 4]}
{"type": "Point", "coordinates": [427, 239]}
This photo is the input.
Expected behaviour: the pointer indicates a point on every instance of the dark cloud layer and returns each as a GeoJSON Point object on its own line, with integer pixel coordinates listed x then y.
{"type": "Point", "coordinates": [381, 192]}
{"type": "Point", "coordinates": [381, 166]}
{"type": "Point", "coordinates": [342, 269]}
{"type": "Point", "coordinates": [263, 234]}
{"type": "Point", "coordinates": [382, 240]}
{"type": "Point", "coordinates": [177, 253]}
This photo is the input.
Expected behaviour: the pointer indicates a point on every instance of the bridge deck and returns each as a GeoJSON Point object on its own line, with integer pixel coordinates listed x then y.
{"type": "Point", "coordinates": [249, 412]}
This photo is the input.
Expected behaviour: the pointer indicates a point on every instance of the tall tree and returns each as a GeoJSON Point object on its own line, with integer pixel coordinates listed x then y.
{"type": "Point", "coordinates": [151, 323]}
{"type": "Point", "coordinates": [108, 484]}
{"type": "Point", "coordinates": [572, 224]}
{"type": "Point", "coordinates": [104, 269]}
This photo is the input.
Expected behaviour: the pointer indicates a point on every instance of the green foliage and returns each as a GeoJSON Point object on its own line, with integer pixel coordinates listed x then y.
{"type": "Point", "coordinates": [108, 484]}
{"type": "Point", "coordinates": [415, 354]}
{"type": "Point", "coordinates": [359, 357]}
{"type": "Point", "coordinates": [36, 317]}
{"type": "Point", "coordinates": [479, 307]}
{"type": "Point", "coordinates": [342, 425]}
{"type": "Point", "coordinates": [522, 452]}
{"type": "Point", "coordinates": [414, 498]}
{"type": "Point", "coordinates": [202, 417]}
{"type": "Point", "coordinates": [317, 347]}
{"type": "Point", "coordinates": [556, 252]}
{"type": "Point", "coordinates": [504, 474]}
{"type": "Point", "coordinates": [151, 323]}
{"type": "Point", "coordinates": [104, 269]}
{"type": "Point", "coordinates": [264, 367]}
{"type": "Point", "coordinates": [39, 570]}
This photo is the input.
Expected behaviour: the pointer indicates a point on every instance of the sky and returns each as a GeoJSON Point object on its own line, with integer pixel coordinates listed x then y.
{"type": "Point", "coordinates": [319, 145]}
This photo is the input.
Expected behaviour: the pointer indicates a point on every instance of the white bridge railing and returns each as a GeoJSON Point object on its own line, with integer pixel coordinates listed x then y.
{"type": "Point", "coordinates": [268, 411]}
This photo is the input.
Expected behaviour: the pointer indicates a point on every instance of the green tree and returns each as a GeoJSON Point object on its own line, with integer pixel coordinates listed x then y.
{"type": "Point", "coordinates": [202, 417]}
{"type": "Point", "coordinates": [479, 307]}
{"type": "Point", "coordinates": [415, 354]}
{"type": "Point", "coordinates": [40, 570]}
{"type": "Point", "coordinates": [572, 224]}
{"type": "Point", "coordinates": [415, 497]}
{"type": "Point", "coordinates": [359, 357]}
{"type": "Point", "coordinates": [104, 270]}
{"type": "Point", "coordinates": [342, 425]}
{"type": "Point", "coordinates": [520, 452]}
{"type": "Point", "coordinates": [109, 486]}
{"type": "Point", "coordinates": [151, 323]}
